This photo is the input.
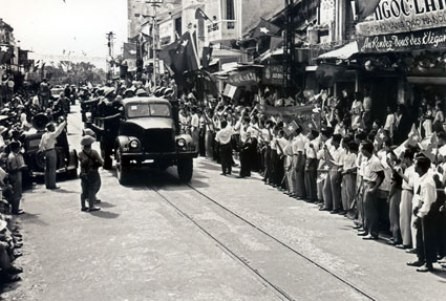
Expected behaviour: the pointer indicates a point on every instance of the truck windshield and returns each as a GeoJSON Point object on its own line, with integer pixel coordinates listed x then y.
{"type": "Point", "coordinates": [146, 110]}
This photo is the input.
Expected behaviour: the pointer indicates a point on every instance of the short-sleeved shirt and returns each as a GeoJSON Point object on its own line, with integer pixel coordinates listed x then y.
{"type": "Point", "coordinates": [371, 169]}
{"type": "Point", "coordinates": [349, 161]}
{"type": "Point", "coordinates": [224, 135]}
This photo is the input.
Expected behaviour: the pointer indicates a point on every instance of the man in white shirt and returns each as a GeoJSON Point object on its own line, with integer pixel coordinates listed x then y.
{"type": "Point", "coordinates": [224, 138]}
{"type": "Point", "coordinates": [195, 128]}
{"type": "Point", "coordinates": [299, 143]}
{"type": "Point", "coordinates": [425, 217]}
{"type": "Point", "coordinates": [373, 175]}
{"type": "Point", "coordinates": [311, 149]}
{"type": "Point", "coordinates": [48, 147]}
{"type": "Point", "coordinates": [332, 184]}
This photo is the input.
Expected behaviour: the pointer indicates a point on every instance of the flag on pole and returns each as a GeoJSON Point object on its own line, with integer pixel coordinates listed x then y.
{"type": "Point", "coordinates": [291, 128]}
{"type": "Point", "coordinates": [181, 56]}
{"type": "Point", "coordinates": [130, 51]}
{"type": "Point", "coordinates": [366, 8]}
{"type": "Point", "coordinates": [6, 53]}
{"type": "Point", "coordinates": [265, 29]}
{"type": "Point", "coordinates": [201, 15]}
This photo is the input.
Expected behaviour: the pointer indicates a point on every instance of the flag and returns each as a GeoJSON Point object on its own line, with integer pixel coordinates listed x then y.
{"type": "Point", "coordinates": [6, 53]}
{"type": "Point", "coordinates": [414, 136]}
{"type": "Point", "coordinates": [366, 8]}
{"type": "Point", "coordinates": [291, 128]}
{"type": "Point", "coordinates": [265, 29]}
{"type": "Point", "coordinates": [207, 56]}
{"type": "Point", "coordinates": [276, 42]}
{"type": "Point", "coordinates": [38, 65]}
{"type": "Point", "coordinates": [430, 147]}
{"type": "Point", "coordinates": [200, 15]}
{"type": "Point", "coordinates": [181, 56]}
{"type": "Point", "coordinates": [327, 73]}
{"type": "Point", "coordinates": [130, 51]}
{"type": "Point", "coordinates": [23, 57]}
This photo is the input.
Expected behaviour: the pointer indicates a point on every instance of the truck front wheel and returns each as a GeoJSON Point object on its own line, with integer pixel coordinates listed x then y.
{"type": "Point", "coordinates": [185, 170]}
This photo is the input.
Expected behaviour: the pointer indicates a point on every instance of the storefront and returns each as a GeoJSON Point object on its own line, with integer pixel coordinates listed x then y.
{"type": "Point", "coordinates": [406, 42]}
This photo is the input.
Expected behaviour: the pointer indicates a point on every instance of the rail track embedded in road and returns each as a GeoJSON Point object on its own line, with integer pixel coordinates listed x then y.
{"type": "Point", "coordinates": [282, 293]}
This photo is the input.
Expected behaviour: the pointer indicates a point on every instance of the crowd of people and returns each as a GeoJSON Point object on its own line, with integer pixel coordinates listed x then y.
{"type": "Point", "coordinates": [387, 176]}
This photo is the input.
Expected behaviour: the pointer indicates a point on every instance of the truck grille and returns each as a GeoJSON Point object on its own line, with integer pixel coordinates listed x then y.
{"type": "Point", "coordinates": [158, 140]}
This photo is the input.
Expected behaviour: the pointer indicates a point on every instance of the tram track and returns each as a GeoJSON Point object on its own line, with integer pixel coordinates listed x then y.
{"type": "Point", "coordinates": [280, 291]}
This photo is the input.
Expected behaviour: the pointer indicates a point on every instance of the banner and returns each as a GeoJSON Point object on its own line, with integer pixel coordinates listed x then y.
{"type": "Point", "coordinates": [243, 78]}
{"type": "Point", "coordinates": [287, 111]}
{"type": "Point", "coordinates": [397, 16]}
{"type": "Point", "coordinates": [273, 75]}
{"type": "Point", "coordinates": [425, 39]}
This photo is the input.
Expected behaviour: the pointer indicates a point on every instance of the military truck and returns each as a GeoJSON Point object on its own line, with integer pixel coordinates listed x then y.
{"type": "Point", "coordinates": [143, 131]}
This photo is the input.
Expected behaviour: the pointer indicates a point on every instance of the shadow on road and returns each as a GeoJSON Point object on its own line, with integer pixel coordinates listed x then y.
{"type": "Point", "coordinates": [32, 218]}
{"type": "Point", "coordinates": [105, 214]}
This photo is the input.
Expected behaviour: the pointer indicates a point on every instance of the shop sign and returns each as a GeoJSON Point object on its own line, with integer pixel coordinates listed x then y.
{"type": "Point", "coordinates": [243, 78]}
{"type": "Point", "coordinates": [397, 16]}
{"type": "Point", "coordinates": [424, 39]}
{"type": "Point", "coordinates": [327, 11]}
{"type": "Point", "coordinates": [273, 75]}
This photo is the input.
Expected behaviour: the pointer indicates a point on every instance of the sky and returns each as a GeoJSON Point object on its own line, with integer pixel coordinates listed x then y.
{"type": "Point", "coordinates": [50, 27]}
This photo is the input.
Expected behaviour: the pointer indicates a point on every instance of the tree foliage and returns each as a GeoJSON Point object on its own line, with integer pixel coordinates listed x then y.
{"type": "Point", "coordinates": [67, 72]}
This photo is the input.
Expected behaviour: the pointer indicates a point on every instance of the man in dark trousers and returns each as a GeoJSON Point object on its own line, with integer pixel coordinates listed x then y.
{"type": "Point", "coordinates": [48, 147]}
{"type": "Point", "coordinates": [224, 139]}
{"type": "Point", "coordinates": [425, 217]}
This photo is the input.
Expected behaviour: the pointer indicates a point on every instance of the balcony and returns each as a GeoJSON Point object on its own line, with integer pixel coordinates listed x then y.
{"type": "Point", "coordinates": [222, 30]}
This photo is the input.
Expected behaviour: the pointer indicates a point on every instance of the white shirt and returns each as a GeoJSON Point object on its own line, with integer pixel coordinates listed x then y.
{"type": "Point", "coordinates": [412, 177]}
{"type": "Point", "coordinates": [372, 168]}
{"type": "Point", "coordinates": [224, 135]}
{"type": "Point", "coordinates": [49, 139]}
{"type": "Point", "coordinates": [428, 193]}
{"type": "Point", "coordinates": [299, 143]}
{"type": "Point", "coordinates": [195, 122]}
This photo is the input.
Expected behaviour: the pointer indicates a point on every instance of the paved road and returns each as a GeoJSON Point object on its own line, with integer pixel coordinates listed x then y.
{"type": "Point", "coordinates": [221, 238]}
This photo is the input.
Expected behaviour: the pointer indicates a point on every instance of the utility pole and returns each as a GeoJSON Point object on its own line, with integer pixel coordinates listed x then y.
{"type": "Point", "coordinates": [289, 51]}
{"type": "Point", "coordinates": [110, 36]}
{"type": "Point", "coordinates": [154, 4]}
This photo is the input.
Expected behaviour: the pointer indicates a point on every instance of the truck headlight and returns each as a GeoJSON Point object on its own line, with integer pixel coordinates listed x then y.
{"type": "Point", "coordinates": [181, 143]}
{"type": "Point", "coordinates": [134, 144]}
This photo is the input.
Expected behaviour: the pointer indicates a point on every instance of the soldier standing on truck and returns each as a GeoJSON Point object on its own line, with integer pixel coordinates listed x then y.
{"type": "Point", "coordinates": [109, 108]}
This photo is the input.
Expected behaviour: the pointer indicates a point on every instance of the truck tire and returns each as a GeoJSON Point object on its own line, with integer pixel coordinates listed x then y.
{"type": "Point", "coordinates": [185, 170]}
{"type": "Point", "coordinates": [122, 169]}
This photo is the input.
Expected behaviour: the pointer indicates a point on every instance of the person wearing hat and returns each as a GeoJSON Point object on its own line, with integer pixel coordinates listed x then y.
{"type": "Point", "coordinates": [15, 164]}
{"type": "Point", "coordinates": [90, 161]}
{"type": "Point", "coordinates": [48, 147]}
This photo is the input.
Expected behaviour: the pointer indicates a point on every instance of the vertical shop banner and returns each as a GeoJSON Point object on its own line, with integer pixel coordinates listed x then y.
{"type": "Point", "coordinates": [273, 75]}
{"type": "Point", "coordinates": [397, 16]}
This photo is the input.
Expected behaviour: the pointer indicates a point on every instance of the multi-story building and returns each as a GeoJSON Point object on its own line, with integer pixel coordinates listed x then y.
{"type": "Point", "coordinates": [6, 33]}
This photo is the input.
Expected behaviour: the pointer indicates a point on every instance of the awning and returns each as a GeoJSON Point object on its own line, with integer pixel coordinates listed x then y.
{"type": "Point", "coordinates": [343, 53]}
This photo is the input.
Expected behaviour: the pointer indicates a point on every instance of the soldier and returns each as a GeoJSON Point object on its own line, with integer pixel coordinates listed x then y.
{"type": "Point", "coordinates": [90, 161]}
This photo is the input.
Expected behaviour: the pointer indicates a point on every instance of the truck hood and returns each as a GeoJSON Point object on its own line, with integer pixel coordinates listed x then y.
{"type": "Point", "coordinates": [152, 123]}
